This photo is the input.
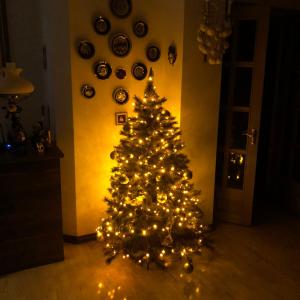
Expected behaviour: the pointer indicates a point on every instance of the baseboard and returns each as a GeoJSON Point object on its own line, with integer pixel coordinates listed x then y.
{"type": "Point", "coordinates": [73, 239]}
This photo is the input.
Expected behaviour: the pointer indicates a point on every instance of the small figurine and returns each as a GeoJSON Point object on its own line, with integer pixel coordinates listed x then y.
{"type": "Point", "coordinates": [41, 138]}
{"type": "Point", "coordinates": [16, 134]}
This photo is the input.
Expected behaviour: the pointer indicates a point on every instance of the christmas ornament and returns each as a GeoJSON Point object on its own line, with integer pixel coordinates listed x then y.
{"type": "Point", "coordinates": [188, 174]}
{"type": "Point", "coordinates": [124, 179]}
{"type": "Point", "coordinates": [188, 266]}
{"type": "Point", "coordinates": [113, 154]}
{"type": "Point", "coordinates": [162, 198]}
{"type": "Point", "coordinates": [168, 240]}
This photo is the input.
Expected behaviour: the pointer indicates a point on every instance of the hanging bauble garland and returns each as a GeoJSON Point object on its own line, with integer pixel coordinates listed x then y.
{"type": "Point", "coordinates": [214, 30]}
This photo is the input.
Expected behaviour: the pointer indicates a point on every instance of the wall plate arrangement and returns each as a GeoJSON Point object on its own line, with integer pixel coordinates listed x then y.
{"type": "Point", "coordinates": [139, 71]}
{"type": "Point", "coordinates": [120, 44]}
{"type": "Point", "coordinates": [86, 49]}
{"type": "Point", "coordinates": [121, 118]}
{"type": "Point", "coordinates": [121, 73]}
{"type": "Point", "coordinates": [140, 29]}
{"type": "Point", "coordinates": [153, 53]}
{"type": "Point", "coordinates": [102, 70]}
{"type": "Point", "coordinates": [88, 91]}
{"type": "Point", "coordinates": [102, 25]}
{"type": "Point", "coordinates": [120, 95]}
{"type": "Point", "coordinates": [121, 8]}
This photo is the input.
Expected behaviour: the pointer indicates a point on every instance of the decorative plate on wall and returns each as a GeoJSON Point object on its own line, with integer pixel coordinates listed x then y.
{"type": "Point", "coordinates": [140, 29]}
{"type": "Point", "coordinates": [120, 95]}
{"type": "Point", "coordinates": [102, 25]}
{"type": "Point", "coordinates": [86, 49]}
{"type": "Point", "coordinates": [139, 71]}
{"type": "Point", "coordinates": [121, 8]}
{"type": "Point", "coordinates": [120, 44]}
{"type": "Point", "coordinates": [153, 53]}
{"type": "Point", "coordinates": [103, 70]}
{"type": "Point", "coordinates": [88, 91]}
{"type": "Point", "coordinates": [120, 73]}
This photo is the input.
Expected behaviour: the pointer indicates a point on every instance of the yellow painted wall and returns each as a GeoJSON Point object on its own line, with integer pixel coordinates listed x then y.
{"type": "Point", "coordinates": [199, 109]}
{"type": "Point", "coordinates": [95, 132]}
{"type": "Point", "coordinates": [85, 130]}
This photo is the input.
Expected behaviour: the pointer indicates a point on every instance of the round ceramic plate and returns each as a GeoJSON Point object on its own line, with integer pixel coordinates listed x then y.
{"type": "Point", "coordinates": [102, 25]}
{"type": "Point", "coordinates": [140, 29]}
{"type": "Point", "coordinates": [153, 53]}
{"type": "Point", "coordinates": [120, 73]}
{"type": "Point", "coordinates": [120, 95]}
{"type": "Point", "coordinates": [139, 71]}
{"type": "Point", "coordinates": [103, 70]}
{"type": "Point", "coordinates": [86, 49]}
{"type": "Point", "coordinates": [121, 8]}
{"type": "Point", "coordinates": [88, 91]}
{"type": "Point", "coordinates": [120, 44]}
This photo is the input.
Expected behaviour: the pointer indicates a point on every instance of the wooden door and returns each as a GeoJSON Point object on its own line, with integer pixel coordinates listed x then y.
{"type": "Point", "coordinates": [242, 91]}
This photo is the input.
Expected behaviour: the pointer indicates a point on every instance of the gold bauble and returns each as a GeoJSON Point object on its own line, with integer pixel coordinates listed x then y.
{"type": "Point", "coordinates": [124, 179]}
{"type": "Point", "coordinates": [203, 27]}
{"type": "Point", "coordinates": [162, 198]}
{"type": "Point", "coordinates": [210, 31]}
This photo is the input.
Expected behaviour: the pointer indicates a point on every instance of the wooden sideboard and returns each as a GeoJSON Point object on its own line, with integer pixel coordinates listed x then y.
{"type": "Point", "coordinates": [30, 209]}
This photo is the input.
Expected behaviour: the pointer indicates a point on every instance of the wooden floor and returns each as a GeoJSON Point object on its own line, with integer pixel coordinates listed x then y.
{"type": "Point", "coordinates": [260, 262]}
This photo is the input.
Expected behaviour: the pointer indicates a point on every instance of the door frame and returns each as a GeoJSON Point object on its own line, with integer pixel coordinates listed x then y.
{"type": "Point", "coordinates": [261, 12]}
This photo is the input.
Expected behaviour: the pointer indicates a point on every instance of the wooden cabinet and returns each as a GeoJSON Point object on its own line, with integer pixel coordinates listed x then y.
{"type": "Point", "coordinates": [30, 209]}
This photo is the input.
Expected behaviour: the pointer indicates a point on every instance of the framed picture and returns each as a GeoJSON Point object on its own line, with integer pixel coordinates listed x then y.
{"type": "Point", "coordinates": [121, 118]}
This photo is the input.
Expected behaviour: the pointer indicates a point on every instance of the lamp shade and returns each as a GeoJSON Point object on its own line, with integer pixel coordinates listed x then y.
{"type": "Point", "coordinates": [11, 83]}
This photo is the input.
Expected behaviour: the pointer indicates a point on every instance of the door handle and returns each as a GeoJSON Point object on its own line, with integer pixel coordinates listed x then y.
{"type": "Point", "coordinates": [252, 136]}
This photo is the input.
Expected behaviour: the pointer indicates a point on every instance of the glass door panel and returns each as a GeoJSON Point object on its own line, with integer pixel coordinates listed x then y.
{"type": "Point", "coordinates": [242, 88]}
{"type": "Point", "coordinates": [246, 34]}
{"type": "Point", "coordinates": [239, 128]}
{"type": "Point", "coordinates": [236, 166]}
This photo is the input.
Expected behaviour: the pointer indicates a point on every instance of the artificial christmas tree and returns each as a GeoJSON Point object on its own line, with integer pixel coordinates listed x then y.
{"type": "Point", "coordinates": [154, 212]}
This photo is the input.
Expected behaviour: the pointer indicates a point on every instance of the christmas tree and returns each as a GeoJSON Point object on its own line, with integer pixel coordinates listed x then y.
{"type": "Point", "coordinates": [154, 211]}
